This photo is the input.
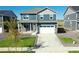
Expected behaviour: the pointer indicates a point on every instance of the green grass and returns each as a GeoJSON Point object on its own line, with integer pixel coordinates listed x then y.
{"type": "Point", "coordinates": [73, 51]}
{"type": "Point", "coordinates": [17, 51]}
{"type": "Point", "coordinates": [67, 40]}
{"type": "Point", "coordinates": [22, 42]}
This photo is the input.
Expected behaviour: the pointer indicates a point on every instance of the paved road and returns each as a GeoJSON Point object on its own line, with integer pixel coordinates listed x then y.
{"type": "Point", "coordinates": [48, 43]}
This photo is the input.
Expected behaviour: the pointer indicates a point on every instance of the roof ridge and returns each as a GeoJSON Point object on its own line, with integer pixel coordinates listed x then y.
{"type": "Point", "coordinates": [35, 11]}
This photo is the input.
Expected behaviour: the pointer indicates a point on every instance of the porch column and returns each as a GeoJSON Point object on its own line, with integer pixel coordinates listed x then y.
{"type": "Point", "coordinates": [36, 27]}
{"type": "Point", "coordinates": [30, 27]}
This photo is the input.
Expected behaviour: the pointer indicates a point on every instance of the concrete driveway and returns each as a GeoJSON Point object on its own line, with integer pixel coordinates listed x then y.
{"type": "Point", "coordinates": [48, 40]}
{"type": "Point", "coordinates": [48, 43]}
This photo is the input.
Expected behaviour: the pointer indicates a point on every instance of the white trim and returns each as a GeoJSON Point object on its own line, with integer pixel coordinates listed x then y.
{"type": "Point", "coordinates": [76, 15]}
{"type": "Point", "coordinates": [36, 29]}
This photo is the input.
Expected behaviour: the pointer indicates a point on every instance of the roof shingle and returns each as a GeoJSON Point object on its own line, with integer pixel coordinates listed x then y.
{"type": "Point", "coordinates": [7, 13]}
{"type": "Point", "coordinates": [34, 11]}
{"type": "Point", "coordinates": [75, 8]}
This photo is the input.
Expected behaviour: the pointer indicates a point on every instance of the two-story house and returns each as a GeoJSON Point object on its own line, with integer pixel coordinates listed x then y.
{"type": "Point", "coordinates": [41, 20]}
{"type": "Point", "coordinates": [6, 15]}
{"type": "Point", "coordinates": [71, 18]}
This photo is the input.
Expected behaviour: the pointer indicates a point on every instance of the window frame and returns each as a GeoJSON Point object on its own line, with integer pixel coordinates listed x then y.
{"type": "Point", "coordinates": [42, 16]}
{"type": "Point", "coordinates": [25, 17]}
{"type": "Point", "coordinates": [51, 15]}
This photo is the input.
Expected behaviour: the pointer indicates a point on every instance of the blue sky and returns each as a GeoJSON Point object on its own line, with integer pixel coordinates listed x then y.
{"type": "Point", "coordinates": [18, 9]}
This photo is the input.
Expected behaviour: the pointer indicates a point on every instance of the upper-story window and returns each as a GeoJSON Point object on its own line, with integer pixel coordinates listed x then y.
{"type": "Point", "coordinates": [26, 17]}
{"type": "Point", "coordinates": [68, 17]}
{"type": "Point", "coordinates": [51, 16]}
{"type": "Point", "coordinates": [41, 17]}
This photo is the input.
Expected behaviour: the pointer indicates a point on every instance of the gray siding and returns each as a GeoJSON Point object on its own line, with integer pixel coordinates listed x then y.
{"type": "Point", "coordinates": [66, 17]}
{"type": "Point", "coordinates": [73, 25]}
{"type": "Point", "coordinates": [67, 24]}
{"type": "Point", "coordinates": [70, 21]}
{"type": "Point", "coordinates": [71, 17]}
{"type": "Point", "coordinates": [32, 17]}
{"type": "Point", "coordinates": [46, 17]}
{"type": "Point", "coordinates": [54, 17]}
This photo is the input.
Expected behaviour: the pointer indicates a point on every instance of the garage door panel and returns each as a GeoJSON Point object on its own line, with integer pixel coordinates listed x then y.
{"type": "Point", "coordinates": [0, 29]}
{"type": "Point", "coordinates": [47, 29]}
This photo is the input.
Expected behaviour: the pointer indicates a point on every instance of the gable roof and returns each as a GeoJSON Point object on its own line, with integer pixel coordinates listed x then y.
{"type": "Point", "coordinates": [7, 13]}
{"type": "Point", "coordinates": [74, 8]}
{"type": "Point", "coordinates": [35, 11]}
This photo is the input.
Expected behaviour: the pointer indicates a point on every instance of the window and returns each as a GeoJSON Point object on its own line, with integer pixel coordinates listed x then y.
{"type": "Point", "coordinates": [51, 16]}
{"type": "Point", "coordinates": [25, 16]}
{"type": "Point", "coordinates": [41, 17]}
{"type": "Point", "coordinates": [68, 17]}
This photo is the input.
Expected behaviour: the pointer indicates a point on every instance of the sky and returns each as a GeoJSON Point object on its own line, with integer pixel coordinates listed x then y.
{"type": "Point", "coordinates": [18, 9]}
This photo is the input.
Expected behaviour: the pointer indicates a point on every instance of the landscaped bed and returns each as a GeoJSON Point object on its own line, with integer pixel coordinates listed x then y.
{"type": "Point", "coordinates": [22, 42]}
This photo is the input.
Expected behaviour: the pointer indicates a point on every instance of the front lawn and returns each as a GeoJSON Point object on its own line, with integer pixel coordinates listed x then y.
{"type": "Point", "coordinates": [66, 40]}
{"type": "Point", "coordinates": [73, 51]}
{"type": "Point", "coordinates": [22, 42]}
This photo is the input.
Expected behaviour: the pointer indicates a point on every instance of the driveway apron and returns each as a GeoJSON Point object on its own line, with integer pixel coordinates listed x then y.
{"type": "Point", "coordinates": [48, 42]}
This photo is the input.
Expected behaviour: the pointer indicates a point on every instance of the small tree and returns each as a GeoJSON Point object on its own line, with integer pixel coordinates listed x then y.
{"type": "Point", "coordinates": [13, 31]}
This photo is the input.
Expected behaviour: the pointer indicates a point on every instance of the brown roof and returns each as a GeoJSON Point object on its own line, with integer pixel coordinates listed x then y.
{"type": "Point", "coordinates": [35, 11]}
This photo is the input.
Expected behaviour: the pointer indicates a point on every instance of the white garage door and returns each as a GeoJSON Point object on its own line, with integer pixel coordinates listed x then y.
{"type": "Point", "coordinates": [47, 29]}
{"type": "Point", "coordinates": [0, 29]}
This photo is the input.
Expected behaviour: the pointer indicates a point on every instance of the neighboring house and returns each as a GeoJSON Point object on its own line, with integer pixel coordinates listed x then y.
{"type": "Point", "coordinates": [5, 15]}
{"type": "Point", "coordinates": [39, 20]}
{"type": "Point", "coordinates": [71, 18]}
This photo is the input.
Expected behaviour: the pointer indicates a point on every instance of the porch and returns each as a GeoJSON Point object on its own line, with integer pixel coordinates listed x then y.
{"type": "Point", "coordinates": [27, 28]}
